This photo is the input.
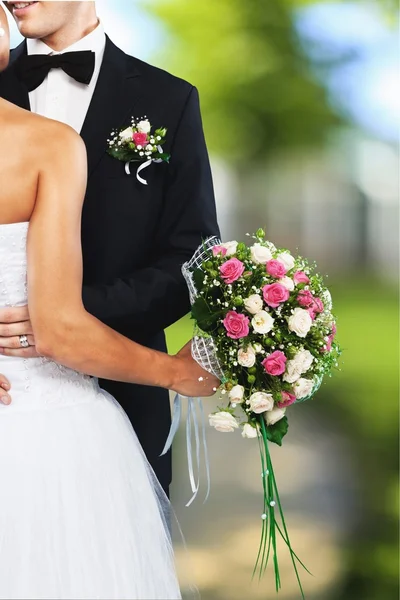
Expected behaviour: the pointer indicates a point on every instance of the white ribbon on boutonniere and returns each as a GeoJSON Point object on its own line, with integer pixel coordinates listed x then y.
{"type": "Point", "coordinates": [137, 143]}
{"type": "Point", "coordinates": [143, 166]}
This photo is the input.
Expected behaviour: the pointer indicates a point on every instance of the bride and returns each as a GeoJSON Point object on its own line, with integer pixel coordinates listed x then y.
{"type": "Point", "coordinates": [81, 512]}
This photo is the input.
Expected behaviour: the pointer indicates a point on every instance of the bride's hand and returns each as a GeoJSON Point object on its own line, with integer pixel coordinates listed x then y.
{"type": "Point", "coordinates": [5, 386]}
{"type": "Point", "coordinates": [193, 381]}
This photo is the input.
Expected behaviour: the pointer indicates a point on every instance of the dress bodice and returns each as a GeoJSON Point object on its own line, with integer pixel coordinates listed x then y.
{"type": "Point", "coordinates": [35, 382]}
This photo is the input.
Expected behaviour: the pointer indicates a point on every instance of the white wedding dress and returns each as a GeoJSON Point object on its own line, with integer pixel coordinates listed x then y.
{"type": "Point", "coordinates": [81, 512]}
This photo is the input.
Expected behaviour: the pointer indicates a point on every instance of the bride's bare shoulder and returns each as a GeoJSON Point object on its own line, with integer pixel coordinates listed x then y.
{"type": "Point", "coordinates": [39, 135]}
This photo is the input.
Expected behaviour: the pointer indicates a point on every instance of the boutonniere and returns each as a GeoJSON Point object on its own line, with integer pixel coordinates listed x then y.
{"type": "Point", "coordinates": [137, 143]}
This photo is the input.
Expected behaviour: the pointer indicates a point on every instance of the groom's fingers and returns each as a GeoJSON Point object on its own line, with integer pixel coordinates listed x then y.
{"type": "Point", "coordinates": [8, 330]}
{"type": "Point", "coordinates": [4, 389]}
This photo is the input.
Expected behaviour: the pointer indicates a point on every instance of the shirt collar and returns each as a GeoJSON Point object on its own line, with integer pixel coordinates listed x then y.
{"type": "Point", "coordinates": [95, 41]}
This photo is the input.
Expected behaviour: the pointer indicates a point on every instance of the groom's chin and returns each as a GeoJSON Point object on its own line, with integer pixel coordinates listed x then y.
{"type": "Point", "coordinates": [27, 18]}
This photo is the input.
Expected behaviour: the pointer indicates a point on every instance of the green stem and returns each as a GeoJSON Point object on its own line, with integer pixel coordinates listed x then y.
{"type": "Point", "coordinates": [264, 530]}
{"type": "Point", "coordinates": [275, 488]}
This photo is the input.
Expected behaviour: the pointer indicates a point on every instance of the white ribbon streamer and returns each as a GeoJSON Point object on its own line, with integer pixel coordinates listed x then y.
{"type": "Point", "coordinates": [191, 422]}
{"type": "Point", "coordinates": [142, 166]}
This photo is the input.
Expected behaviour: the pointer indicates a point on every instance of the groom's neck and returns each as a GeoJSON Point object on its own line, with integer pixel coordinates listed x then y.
{"type": "Point", "coordinates": [70, 33]}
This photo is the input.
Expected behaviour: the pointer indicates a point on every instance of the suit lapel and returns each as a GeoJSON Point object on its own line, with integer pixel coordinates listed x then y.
{"type": "Point", "coordinates": [112, 100]}
{"type": "Point", "coordinates": [12, 89]}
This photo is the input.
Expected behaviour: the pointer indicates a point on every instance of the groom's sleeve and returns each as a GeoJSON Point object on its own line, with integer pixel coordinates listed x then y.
{"type": "Point", "coordinates": [154, 297]}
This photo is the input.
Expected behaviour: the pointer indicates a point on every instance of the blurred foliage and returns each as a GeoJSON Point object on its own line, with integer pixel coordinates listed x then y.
{"type": "Point", "coordinates": [388, 7]}
{"type": "Point", "coordinates": [257, 91]}
{"type": "Point", "coordinates": [367, 394]}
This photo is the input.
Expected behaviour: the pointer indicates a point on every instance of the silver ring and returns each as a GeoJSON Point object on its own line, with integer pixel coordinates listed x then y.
{"type": "Point", "coordinates": [23, 340]}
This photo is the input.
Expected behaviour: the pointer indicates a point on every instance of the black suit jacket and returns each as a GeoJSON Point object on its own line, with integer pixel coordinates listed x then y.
{"type": "Point", "coordinates": [136, 237]}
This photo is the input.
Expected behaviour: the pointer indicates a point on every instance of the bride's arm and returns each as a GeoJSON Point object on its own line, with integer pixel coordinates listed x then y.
{"type": "Point", "coordinates": [63, 330]}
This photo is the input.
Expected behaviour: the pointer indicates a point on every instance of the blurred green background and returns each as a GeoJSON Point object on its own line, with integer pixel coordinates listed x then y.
{"type": "Point", "coordinates": [300, 102]}
{"type": "Point", "coordinates": [289, 153]}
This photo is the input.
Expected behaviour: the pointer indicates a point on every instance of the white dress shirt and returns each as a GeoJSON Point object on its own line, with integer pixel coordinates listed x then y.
{"type": "Point", "coordinates": [61, 97]}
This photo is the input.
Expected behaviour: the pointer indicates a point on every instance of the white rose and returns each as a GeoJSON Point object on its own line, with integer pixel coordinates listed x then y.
{"type": "Point", "coordinates": [246, 357]}
{"type": "Point", "coordinates": [293, 371]}
{"type": "Point", "coordinates": [257, 348]}
{"type": "Point", "coordinates": [260, 255]}
{"type": "Point", "coordinates": [273, 416]}
{"type": "Point", "coordinates": [303, 387]}
{"type": "Point", "coordinates": [305, 359]}
{"type": "Point", "coordinates": [236, 394]}
{"type": "Point", "coordinates": [126, 134]}
{"type": "Point", "coordinates": [231, 247]}
{"type": "Point", "coordinates": [249, 431]}
{"type": "Point", "coordinates": [223, 421]}
{"type": "Point", "coordinates": [143, 126]}
{"type": "Point", "coordinates": [262, 322]}
{"type": "Point", "coordinates": [253, 304]}
{"type": "Point", "coordinates": [300, 322]}
{"type": "Point", "coordinates": [286, 259]}
{"type": "Point", "coordinates": [261, 401]}
{"type": "Point", "coordinates": [287, 282]}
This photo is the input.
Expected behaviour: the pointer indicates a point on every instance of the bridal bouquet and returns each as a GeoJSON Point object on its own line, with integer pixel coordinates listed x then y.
{"type": "Point", "coordinates": [264, 326]}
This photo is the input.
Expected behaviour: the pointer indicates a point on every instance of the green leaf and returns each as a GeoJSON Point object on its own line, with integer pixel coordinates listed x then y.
{"type": "Point", "coordinates": [207, 320]}
{"type": "Point", "coordinates": [198, 278]}
{"type": "Point", "coordinates": [162, 132]}
{"type": "Point", "coordinates": [124, 154]}
{"type": "Point", "coordinates": [276, 432]}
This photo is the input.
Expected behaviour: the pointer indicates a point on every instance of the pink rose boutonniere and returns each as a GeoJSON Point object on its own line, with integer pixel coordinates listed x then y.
{"type": "Point", "coordinates": [137, 143]}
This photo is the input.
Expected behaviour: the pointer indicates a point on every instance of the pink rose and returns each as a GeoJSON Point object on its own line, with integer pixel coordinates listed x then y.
{"type": "Point", "coordinates": [287, 399]}
{"type": "Point", "coordinates": [275, 294]}
{"type": "Point", "coordinates": [318, 305]}
{"type": "Point", "coordinates": [275, 363]}
{"type": "Point", "coordinates": [231, 270]}
{"type": "Point", "coordinates": [328, 345]}
{"type": "Point", "coordinates": [140, 139]}
{"type": "Point", "coordinates": [219, 250]}
{"type": "Point", "coordinates": [315, 308]}
{"type": "Point", "coordinates": [305, 299]}
{"type": "Point", "coordinates": [300, 277]}
{"type": "Point", "coordinates": [331, 337]}
{"type": "Point", "coordinates": [312, 312]}
{"type": "Point", "coordinates": [276, 268]}
{"type": "Point", "coordinates": [236, 325]}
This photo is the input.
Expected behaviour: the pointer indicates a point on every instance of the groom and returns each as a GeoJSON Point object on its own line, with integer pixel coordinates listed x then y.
{"type": "Point", "coordinates": [135, 237]}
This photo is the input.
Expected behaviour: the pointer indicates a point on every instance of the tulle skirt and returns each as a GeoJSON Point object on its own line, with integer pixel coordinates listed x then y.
{"type": "Point", "coordinates": [81, 512]}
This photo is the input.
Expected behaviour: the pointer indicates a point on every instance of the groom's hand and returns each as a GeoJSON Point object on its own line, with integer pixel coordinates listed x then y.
{"type": "Point", "coordinates": [16, 332]}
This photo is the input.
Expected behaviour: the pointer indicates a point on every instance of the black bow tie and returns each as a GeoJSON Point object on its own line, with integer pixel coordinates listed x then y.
{"type": "Point", "coordinates": [32, 69]}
